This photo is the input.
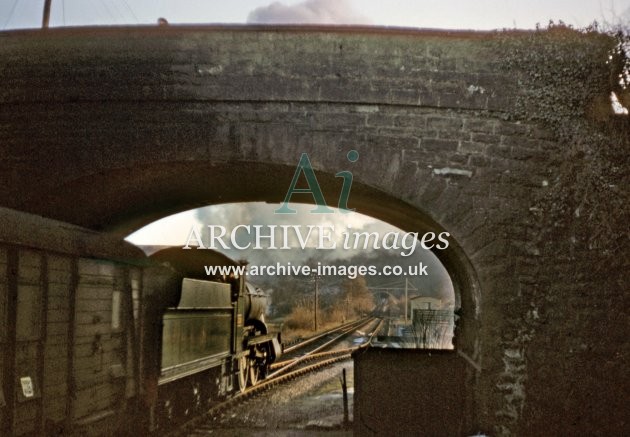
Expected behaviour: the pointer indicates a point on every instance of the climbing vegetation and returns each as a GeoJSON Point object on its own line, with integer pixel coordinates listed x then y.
{"type": "Point", "coordinates": [566, 77]}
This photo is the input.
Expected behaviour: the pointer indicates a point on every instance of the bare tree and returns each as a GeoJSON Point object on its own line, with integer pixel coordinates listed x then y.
{"type": "Point", "coordinates": [356, 296]}
{"type": "Point", "coordinates": [433, 328]}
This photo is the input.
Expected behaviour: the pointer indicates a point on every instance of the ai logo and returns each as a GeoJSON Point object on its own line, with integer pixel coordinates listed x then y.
{"type": "Point", "coordinates": [304, 166]}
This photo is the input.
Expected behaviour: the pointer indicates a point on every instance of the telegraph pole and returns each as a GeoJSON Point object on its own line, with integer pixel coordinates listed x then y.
{"type": "Point", "coordinates": [316, 300]}
{"type": "Point", "coordinates": [406, 298]}
{"type": "Point", "coordinates": [46, 17]}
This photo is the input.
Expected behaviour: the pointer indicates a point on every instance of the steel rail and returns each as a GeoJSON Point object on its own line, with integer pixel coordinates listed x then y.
{"type": "Point", "coordinates": [319, 348]}
{"type": "Point", "coordinates": [276, 378]}
{"type": "Point", "coordinates": [318, 336]}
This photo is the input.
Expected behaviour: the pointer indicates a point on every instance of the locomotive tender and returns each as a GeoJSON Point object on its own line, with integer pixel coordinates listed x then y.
{"type": "Point", "coordinates": [213, 342]}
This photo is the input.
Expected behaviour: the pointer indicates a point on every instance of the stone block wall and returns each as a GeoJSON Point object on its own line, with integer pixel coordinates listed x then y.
{"type": "Point", "coordinates": [163, 119]}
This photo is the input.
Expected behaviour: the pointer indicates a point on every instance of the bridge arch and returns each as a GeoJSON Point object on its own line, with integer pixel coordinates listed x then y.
{"type": "Point", "coordinates": [111, 129]}
{"type": "Point", "coordinates": [129, 134]}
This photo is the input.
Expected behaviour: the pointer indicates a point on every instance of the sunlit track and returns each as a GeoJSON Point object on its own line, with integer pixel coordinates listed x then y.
{"type": "Point", "coordinates": [314, 356]}
{"type": "Point", "coordinates": [321, 341]}
{"type": "Point", "coordinates": [310, 340]}
{"type": "Point", "coordinates": [339, 334]}
{"type": "Point", "coordinates": [199, 425]}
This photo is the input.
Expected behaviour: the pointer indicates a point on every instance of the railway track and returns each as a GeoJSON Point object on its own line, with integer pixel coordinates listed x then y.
{"type": "Point", "coordinates": [319, 342]}
{"type": "Point", "coordinates": [302, 343]}
{"type": "Point", "coordinates": [300, 363]}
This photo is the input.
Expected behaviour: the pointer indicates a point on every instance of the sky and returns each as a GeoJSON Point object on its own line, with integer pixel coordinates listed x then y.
{"type": "Point", "coordinates": [176, 231]}
{"type": "Point", "coordinates": [451, 14]}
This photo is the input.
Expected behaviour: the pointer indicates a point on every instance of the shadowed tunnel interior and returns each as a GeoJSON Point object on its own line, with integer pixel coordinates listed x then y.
{"type": "Point", "coordinates": [121, 201]}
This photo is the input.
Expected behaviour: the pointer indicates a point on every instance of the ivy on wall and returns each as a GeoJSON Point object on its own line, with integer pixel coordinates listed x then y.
{"type": "Point", "coordinates": [566, 78]}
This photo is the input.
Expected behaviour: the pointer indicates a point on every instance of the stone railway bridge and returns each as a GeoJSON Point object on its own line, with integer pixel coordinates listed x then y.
{"type": "Point", "coordinates": [105, 130]}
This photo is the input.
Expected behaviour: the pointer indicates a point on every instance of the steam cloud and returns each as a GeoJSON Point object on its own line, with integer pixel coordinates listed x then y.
{"type": "Point", "coordinates": [308, 12]}
{"type": "Point", "coordinates": [174, 231]}
{"type": "Point", "coordinates": [231, 215]}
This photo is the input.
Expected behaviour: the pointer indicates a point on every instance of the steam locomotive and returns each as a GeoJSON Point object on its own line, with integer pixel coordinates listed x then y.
{"type": "Point", "coordinates": [214, 339]}
{"type": "Point", "coordinates": [98, 340]}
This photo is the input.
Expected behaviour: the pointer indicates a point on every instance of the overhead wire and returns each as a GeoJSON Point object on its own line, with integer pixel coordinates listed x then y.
{"type": "Point", "coordinates": [131, 11]}
{"type": "Point", "coordinates": [96, 10]}
{"type": "Point", "coordinates": [99, 7]}
{"type": "Point", "coordinates": [119, 12]}
{"type": "Point", "coordinates": [10, 14]}
{"type": "Point", "coordinates": [108, 10]}
{"type": "Point", "coordinates": [395, 284]}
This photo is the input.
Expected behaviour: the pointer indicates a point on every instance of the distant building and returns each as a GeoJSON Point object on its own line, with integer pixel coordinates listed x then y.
{"type": "Point", "coordinates": [426, 303]}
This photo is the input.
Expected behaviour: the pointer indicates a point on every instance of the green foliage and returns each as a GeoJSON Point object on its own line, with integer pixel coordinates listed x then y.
{"type": "Point", "coordinates": [566, 77]}
{"type": "Point", "coordinates": [561, 72]}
